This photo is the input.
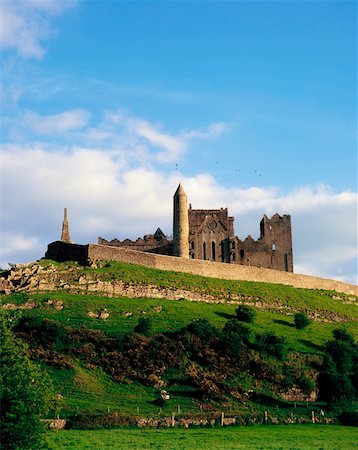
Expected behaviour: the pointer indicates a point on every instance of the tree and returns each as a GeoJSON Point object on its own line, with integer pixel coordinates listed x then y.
{"type": "Point", "coordinates": [301, 320]}
{"type": "Point", "coordinates": [245, 314]}
{"type": "Point", "coordinates": [25, 393]}
{"type": "Point", "coordinates": [338, 377]}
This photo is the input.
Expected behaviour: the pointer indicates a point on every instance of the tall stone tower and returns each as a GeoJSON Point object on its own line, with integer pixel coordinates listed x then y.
{"type": "Point", "coordinates": [180, 224]}
{"type": "Point", "coordinates": [65, 235]}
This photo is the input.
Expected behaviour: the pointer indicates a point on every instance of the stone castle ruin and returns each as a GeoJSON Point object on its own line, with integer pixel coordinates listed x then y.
{"type": "Point", "coordinates": [208, 234]}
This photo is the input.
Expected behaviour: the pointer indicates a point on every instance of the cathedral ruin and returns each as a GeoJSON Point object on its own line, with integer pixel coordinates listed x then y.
{"type": "Point", "coordinates": [208, 234]}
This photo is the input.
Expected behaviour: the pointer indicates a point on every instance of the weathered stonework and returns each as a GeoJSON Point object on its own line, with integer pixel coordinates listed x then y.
{"type": "Point", "coordinates": [65, 235]}
{"type": "Point", "coordinates": [208, 234]}
{"type": "Point", "coordinates": [92, 252]}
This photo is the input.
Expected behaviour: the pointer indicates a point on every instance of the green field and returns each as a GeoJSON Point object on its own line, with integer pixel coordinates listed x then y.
{"type": "Point", "coordinates": [258, 437]}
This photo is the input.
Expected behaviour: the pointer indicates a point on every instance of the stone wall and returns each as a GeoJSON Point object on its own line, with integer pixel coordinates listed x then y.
{"type": "Point", "coordinates": [216, 269]}
{"type": "Point", "coordinates": [91, 252]}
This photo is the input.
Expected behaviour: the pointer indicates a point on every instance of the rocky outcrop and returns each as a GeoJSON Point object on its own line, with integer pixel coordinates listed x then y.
{"type": "Point", "coordinates": [36, 278]}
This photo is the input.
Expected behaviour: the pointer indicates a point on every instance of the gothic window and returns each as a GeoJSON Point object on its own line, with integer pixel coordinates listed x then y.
{"type": "Point", "coordinates": [242, 253]}
{"type": "Point", "coordinates": [213, 256]}
{"type": "Point", "coordinates": [192, 245]}
{"type": "Point", "coordinates": [233, 245]}
{"type": "Point", "coordinates": [204, 250]}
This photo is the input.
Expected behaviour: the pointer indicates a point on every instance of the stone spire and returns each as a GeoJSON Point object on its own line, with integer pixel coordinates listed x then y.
{"type": "Point", "coordinates": [180, 224]}
{"type": "Point", "coordinates": [65, 236]}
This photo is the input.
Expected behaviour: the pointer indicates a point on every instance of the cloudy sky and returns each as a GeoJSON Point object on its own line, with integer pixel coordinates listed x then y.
{"type": "Point", "coordinates": [107, 105]}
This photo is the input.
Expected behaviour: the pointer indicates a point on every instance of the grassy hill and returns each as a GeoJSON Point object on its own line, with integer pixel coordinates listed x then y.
{"type": "Point", "coordinates": [102, 366]}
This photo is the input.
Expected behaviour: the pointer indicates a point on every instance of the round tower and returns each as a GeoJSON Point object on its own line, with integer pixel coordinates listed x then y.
{"type": "Point", "coordinates": [180, 224]}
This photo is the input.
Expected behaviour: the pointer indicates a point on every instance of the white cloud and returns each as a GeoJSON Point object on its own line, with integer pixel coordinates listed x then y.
{"type": "Point", "coordinates": [113, 178]}
{"type": "Point", "coordinates": [212, 131]}
{"type": "Point", "coordinates": [57, 123]}
{"type": "Point", "coordinates": [25, 24]}
{"type": "Point", "coordinates": [107, 198]}
{"type": "Point", "coordinates": [173, 145]}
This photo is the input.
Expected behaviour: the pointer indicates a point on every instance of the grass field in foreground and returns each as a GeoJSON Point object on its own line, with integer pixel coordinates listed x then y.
{"type": "Point", "coordinates": [256, 437]}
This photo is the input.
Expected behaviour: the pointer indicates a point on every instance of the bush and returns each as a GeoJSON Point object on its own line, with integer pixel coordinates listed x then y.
{"type": "Point", "coordinates": [340, 334]}
{"type": "Point", "coordinates": [234, 326]}
{"type": "Point", "coordinates": [49, 333]}
{"type": "Point", "coordinates": [301, 320]}
{"type": "Point", "coordinates": [349, 418]}
{"type": "Point", "coordinates": [144, 326]}
{"type": "Point", "coordinates": [203, 329]}
{"type": "Point", "coordinates": [306, 384]}
{"type": "Point", "coordinates": [233, 344]}
{"type": "Point", "coordinates": [272, 345]}
{"type": "Point", "coordinates": [245, 314]}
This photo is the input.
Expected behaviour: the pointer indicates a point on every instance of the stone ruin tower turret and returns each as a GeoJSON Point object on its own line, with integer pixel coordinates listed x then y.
{"type": "Point", "coordinates": [180, 224]}
{"type": "Point", "coordinates": [65, 235]}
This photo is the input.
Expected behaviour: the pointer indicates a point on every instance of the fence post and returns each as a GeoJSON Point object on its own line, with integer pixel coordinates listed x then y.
{"type": "Point", "coordinates": [222, 419]}
{"type": "Point", "coordinates": [313, 417]}
{"type": "Point", "coordinates": [173, 420]}
{"type": "Point", "coordinates": [265, 417]}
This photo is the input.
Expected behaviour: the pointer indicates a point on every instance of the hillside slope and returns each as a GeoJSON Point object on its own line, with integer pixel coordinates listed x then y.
{"type": "Point", "coordinates": [79, 323]}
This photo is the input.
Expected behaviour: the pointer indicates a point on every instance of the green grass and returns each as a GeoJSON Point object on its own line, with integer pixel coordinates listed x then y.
{"type": "Point", "coordinates": [175, 315]}
{"type": "Point", "coordinates": [93, 391]}
{"type": "Point", "coordinates": [269, 293]}
{"type": "Point", "coordinates": [257, 437]}
{"type": "Point", "coordinates": [85, 390]}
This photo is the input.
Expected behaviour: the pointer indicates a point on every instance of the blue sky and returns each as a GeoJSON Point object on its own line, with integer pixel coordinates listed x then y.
{"type": "Point", "coordinates": [251, 104]}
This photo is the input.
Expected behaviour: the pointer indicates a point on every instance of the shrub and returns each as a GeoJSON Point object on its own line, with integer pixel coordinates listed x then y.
{"type": "Point", "coordinates": [234, 326]}
{"type": "Point", "coordinates": [234, 345]}
{"type": "Point", "coordinates": [272, 345]}
{"type": "Point", "coordinates": [144, 326]}
{"type": "Point", "coordinates": [349, 418]}
{"type": "Point", "coordinates": [203, 329]}
{"type": "Point", "coordinates": [301, 320]}
{"type": "Point", "coordinates": [245, 314]}
{"type": "Point", "coordinates": [340, 334]}
{"type": "Point", "coordinates": [49, 333]}
{"type": "Point", "coordinates": [306, 384]}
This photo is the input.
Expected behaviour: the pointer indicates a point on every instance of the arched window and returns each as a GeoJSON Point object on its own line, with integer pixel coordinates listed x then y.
{"type": "Point", "coordinates": [204, 250]}
{"type": "Point", "coordinates": [213, 255]}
